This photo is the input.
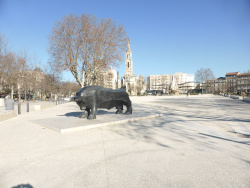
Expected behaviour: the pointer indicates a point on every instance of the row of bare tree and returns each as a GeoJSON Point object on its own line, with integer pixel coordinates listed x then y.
{"type": "Point", "coordinates": [18, 76]}
{"type": "Point", "coordinates": [84, 45]}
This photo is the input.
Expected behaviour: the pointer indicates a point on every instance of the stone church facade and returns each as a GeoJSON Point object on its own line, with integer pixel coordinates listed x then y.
{"type": "Point", "coordinates": [134, 85]}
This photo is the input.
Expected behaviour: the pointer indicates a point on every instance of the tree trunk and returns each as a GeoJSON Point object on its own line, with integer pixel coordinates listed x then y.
{"type": "Point", "coordinates": [83, 79]}
{"type": "Point", "coordinates": [25, 95]}
{"type": "Point", "coordinates": [12, 91]}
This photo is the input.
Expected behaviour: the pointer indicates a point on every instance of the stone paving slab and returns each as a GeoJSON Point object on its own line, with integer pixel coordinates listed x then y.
{"type": "Point", "coordinates": [68, 122]}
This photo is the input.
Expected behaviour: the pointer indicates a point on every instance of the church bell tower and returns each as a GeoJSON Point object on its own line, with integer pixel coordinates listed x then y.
{"type": "Point", "coordinates": [128, 62]}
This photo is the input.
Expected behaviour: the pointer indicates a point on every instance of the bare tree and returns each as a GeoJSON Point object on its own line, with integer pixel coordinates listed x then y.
{"type": "Point", "coordinates": [204, 74]}
{"type": "Point", "coordinates": [4, 49]}
{"type": "Point", "coordinates": [85, 45]}
{"type": "Point", "coordinates": [140, 85]}
{"type": "Point", "coordinates": [3, 57]}
{"type": "Point", "coordinates": [2, 46]}
{"type": "Point", "coordinates": [68, 88]}
{"type": "Point", "coordinates": [10, 72]}
{"type": "Point", "coordinates": [13, 67]}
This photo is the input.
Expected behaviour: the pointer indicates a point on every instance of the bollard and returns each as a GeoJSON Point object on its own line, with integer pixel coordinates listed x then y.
{"type": "Point", "coordinates": [19, 108]}
{"type": "Point", "coordinates": [28, 106]}
{"type": "Point", "coordinates": [56, 102]}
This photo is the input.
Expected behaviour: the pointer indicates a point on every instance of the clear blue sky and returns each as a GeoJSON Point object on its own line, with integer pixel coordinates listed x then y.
{"type": "Point", "coordinates": [167, 36]}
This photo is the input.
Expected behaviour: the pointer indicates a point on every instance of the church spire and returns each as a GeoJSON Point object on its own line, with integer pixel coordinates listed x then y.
{"type": "Point", "coordinates": [128, 62]}
{"type": "Point", "coordinates": [128, 48]}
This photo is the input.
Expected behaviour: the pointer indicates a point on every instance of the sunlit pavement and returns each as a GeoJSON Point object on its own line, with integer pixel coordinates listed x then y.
{"type": "Point", "coordinates": [200, 141]}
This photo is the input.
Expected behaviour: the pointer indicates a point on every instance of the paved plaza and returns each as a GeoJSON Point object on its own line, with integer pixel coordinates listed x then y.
{"type": "Point", "coordinates": [168, 141]}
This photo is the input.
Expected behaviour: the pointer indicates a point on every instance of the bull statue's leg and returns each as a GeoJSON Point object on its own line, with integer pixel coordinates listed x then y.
{"type": "Point", "coordinates": [85, 114]}
{"type": "Point", "coordinates": [119, 109]}
{"type": "Point", "coordinates": [93, 112]}
{"type": "Point", "coordinates": [88, 112]}
{"type": "Point", "coordinates": [129, 108]}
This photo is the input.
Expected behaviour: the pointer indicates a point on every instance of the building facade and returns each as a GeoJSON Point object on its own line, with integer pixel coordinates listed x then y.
{"type": "Point", "coordinates": [233, 82]}
{"type": "Point", "coordinates": [243, 82]}
{"type": "Point", "coordinates": [178, 82]}
{"type": "Point", "coordinates": [237, 82]}
{"type": "Point", "coordinates": [110, 79]}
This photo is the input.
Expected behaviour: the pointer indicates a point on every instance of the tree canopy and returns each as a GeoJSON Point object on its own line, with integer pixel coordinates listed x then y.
{"type": "Point", "coordinates": [85, 45]}
{"type": "Point", "coordinates": [204, 74]}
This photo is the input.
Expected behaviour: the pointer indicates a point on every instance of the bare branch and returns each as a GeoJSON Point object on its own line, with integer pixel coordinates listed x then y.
{"type": "Point", "coordinates": [85, 46]}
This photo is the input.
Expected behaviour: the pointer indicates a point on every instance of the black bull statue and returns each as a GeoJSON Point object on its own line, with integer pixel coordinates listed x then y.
{"type": "Point", "coordinates": [90, 98]}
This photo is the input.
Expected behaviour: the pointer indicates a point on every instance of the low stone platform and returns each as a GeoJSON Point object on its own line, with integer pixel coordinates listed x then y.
{"type": "Point", "coordinates": [70, 121]}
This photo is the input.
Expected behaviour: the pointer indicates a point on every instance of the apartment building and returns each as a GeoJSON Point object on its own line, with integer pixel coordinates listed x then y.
{"type": "Point", "coordinates": [178, 82]}
{"type": "Point", "coordinates": [233, 82]}
{"type": "Point", "coordinates": [110, 79]}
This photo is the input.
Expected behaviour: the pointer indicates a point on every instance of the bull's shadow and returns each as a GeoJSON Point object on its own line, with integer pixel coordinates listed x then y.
{"type": "Point", "coordinates": [99, 112]}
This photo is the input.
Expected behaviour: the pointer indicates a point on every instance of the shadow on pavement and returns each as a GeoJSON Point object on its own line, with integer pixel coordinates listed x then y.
{"type": "Point", "coordinates": [23, 186]}
{"type": "Point", "coordinates": [77, 114]}
{"type": "Point", "coordinates": [247, 143]}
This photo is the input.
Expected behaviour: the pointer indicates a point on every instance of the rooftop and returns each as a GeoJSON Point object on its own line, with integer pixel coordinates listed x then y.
{"type": "Point", "coordinates": [244, 74]}
{"type": "Point", "coordinates": [232, 73]}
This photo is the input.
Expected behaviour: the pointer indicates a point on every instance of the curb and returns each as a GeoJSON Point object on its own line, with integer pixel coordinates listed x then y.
{"type": "Point", "coordinates": [81, 128]}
